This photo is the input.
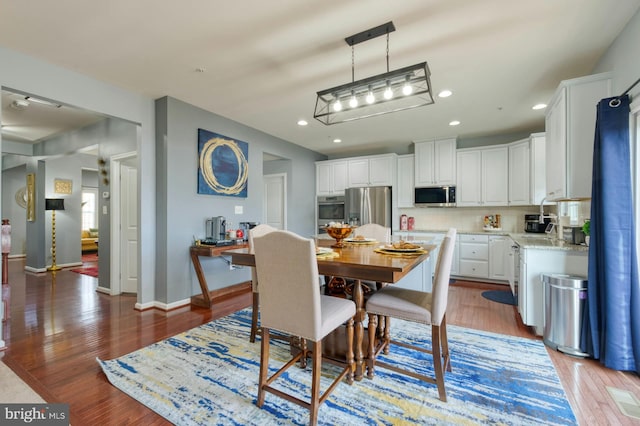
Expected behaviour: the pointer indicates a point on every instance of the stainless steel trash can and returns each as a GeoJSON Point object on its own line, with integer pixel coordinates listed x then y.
{"type": "Point", "coordinates": [564, 303]}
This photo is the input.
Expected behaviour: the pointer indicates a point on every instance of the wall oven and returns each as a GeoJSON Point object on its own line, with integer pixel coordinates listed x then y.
{"type": "Point", "coordinates": [330, 209]}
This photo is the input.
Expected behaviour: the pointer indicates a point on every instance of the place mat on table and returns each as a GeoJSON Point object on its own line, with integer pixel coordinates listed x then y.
{"type": "Point", "coordinates": [326, 253]}
{"type": "Point", "coordinates": [401, 253]}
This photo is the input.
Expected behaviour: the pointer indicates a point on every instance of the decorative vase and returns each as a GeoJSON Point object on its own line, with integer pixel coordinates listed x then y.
{"type": "Point", "coordinates": [586, 240]}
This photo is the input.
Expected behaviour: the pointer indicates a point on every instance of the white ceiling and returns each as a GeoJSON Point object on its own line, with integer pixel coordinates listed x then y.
{"type": "Point", "coordinates": [264, 61]}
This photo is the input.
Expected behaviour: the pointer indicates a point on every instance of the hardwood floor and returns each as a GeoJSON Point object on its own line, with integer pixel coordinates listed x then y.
{"type": "Point", "coordinates": [58, 326]}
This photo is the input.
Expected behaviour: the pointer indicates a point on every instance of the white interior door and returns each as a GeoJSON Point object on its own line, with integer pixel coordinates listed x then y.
{"type": "Point", "coordinates": [129, 229]}
{"type": "Point", "coordinates": [275, 200]}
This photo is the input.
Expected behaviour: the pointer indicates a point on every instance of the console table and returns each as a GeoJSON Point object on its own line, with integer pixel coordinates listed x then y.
{"type": "Point", "coordinates": [205, 298]}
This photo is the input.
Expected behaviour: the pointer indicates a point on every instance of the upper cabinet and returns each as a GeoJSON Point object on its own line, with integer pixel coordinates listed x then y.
{"type": "Point", "coordinates": [331, 177]}
{"type": "Point", "coordinates": [519, 173]}
{"type": "Point", "coordinates": [570, 130]}
{"type": "Point", "coordinates": [375, 170]}
{"type": "Point", "coordinates": [537, 166]}
{"type": "Point", "coordinates": [405, 180]}
{"type": "Point", "coordinates": [527, 180]}
{"type": "Point", "coordinates": [435, 162]}
{"type": "Point", "coordinates": [483, 178]}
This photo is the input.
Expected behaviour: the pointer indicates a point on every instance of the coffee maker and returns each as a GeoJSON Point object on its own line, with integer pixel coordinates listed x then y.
{"type": "Point", "coordinates": [216, 228]}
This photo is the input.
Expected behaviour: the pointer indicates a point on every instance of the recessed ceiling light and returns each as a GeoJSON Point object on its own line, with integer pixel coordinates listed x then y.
{"type": "Point", "coordinates": [454, 123]}
{"type": "Point", "coordinates": [539, 106]}
{"type": "Point", "coordinates": [445, 94]}
{"type": "Point", "coordinates": [302, 122]}
{"type": "Point", "coordinates": [336, 140]}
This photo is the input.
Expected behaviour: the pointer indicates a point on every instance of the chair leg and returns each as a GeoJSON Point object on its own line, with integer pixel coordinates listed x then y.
{"type": "Point", "coordinates": [315, 382]}
{"type": "Point", "coordinates": [264, 366]}
{"type": "Point", "coordinates": [387, 335]}
{"type": "Point", "coordinates": [437, 362]}
{"type": "Point", "coordinates": [305, 352]}
{"type": "Point", "coordinates": [445, 345]}
{"type": "Point", "coordinates": [254, 317]}
{"type": "Point", "coordinates": [350, 356]}
{"type": "Point", "coordinates": [371, 352]}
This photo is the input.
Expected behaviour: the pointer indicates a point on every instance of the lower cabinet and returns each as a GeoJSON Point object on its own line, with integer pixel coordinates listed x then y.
{"type": "Point", "coordinates": [474, 256]}
{"type": "Point", "coordinates": [419, 278]}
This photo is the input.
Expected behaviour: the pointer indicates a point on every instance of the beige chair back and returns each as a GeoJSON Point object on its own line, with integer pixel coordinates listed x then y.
{"type": "Point", "coordinates": [373, 230]}
{"type": "Point", "coordinates": [440, 291]}
{"type": "Point", "coordinates": [289, 293]}
{"type": "Point", "coordinates": [255, 232]}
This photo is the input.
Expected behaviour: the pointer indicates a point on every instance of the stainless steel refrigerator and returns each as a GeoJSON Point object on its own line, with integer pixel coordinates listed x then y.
{"type": "Point", "coordinates": [368, 205]}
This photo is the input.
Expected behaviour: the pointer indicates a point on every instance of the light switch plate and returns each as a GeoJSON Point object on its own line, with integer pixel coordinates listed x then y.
{"type": "Point", "coordinates": [239, 209]}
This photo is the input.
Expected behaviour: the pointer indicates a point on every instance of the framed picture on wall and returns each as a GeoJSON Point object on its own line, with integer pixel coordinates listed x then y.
{"type": "Point", "coordinates": [223, 165]}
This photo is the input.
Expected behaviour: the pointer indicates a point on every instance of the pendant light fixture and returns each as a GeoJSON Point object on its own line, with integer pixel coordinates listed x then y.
{"type": "Point", "coordinates": [398, 90]}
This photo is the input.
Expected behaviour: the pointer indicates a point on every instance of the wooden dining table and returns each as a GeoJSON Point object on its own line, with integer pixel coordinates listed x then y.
{"type": "Point", "coordinates": [359, 262]}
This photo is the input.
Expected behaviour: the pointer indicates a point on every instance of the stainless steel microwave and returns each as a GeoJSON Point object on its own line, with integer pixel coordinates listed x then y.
{"type": "Point", "coordinates": [435, 196]}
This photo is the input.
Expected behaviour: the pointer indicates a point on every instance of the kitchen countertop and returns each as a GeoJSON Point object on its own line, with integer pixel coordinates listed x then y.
{"type": "Point", "coordinates": [524, 240]}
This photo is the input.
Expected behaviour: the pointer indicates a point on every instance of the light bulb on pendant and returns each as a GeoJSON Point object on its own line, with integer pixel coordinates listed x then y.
{"type": "Point", "coordinates": [407, 89]}
{"type": "Point", "coordinates": [370, 97]}
{"type": "Point", "coordinates": [388, 93]}
{"type": "Point", "coordinates": [353, 102]}
{"type": "Point", "coordinates": [337, 105]}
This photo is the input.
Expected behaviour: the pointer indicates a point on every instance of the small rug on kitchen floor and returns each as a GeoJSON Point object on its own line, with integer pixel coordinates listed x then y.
{"type": "Point", "coordinates": [500, 296]}
{"type": "Point", "coordinates": [89, 270]}
{"type": "Point", "coordinates": [209, 374]}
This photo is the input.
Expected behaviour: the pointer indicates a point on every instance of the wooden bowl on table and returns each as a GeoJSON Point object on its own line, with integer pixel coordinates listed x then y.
{"type": "Point", "coordinates": [339, 233]}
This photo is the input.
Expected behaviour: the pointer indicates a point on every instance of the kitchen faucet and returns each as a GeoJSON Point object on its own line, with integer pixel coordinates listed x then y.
{"type": "Point", "coordinates": [542, 216]}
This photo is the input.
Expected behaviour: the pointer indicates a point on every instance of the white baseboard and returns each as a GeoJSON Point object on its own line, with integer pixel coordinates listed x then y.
{"type": "Point", "coordinates": [163, 306]}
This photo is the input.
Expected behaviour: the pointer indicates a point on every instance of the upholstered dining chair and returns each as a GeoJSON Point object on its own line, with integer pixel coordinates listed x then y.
{"type": "Point", "coordinates": [255, 232]}
{"type": "Point", "coordinates": [378, 232]}
{"type": "Point", "coordinates": [290, 302]}
{"type": "Point", "coordinates": [420, 307]}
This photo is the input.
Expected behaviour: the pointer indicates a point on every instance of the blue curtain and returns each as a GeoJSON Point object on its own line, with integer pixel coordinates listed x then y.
{"type": "Point", "coordinates": [613, 330]}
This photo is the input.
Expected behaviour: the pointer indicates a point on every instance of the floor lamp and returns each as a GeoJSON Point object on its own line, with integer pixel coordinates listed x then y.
{"type": "Point", "coordinates": [53, 204]}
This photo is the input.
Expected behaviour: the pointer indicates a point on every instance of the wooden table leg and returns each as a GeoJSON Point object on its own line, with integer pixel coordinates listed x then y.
{"type": "Point", "coordinates": [358, 298]}
{"type": "Point", "coordinates": [201, 279]}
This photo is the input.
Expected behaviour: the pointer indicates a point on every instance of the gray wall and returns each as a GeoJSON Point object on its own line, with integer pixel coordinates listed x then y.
{"type": "Point", "coordinates": [182, 212]}
{"type": "Point", "coordinates": [622, 58]}
{"type": "Point", "coordinates": [19, 72]}
{"type": "Point", "coordinates": [14, 179]}
{"type": "Point", "coordinates": [60, 160]}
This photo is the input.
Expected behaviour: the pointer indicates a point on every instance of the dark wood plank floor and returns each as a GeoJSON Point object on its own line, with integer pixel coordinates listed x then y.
{"type": "Point", "coordinates": [59, 326]}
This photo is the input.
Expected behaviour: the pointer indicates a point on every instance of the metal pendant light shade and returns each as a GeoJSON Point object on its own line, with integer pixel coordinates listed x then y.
{"type": "Point", "coordinates": [398, 90]}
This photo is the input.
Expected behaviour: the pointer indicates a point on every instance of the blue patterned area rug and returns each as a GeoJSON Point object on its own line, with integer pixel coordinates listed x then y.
{"type": "Point", "coordinates": [209, 375]}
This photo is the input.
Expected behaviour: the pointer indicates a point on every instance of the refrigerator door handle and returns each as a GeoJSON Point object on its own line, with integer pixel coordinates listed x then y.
{"type": "Point", "coordinates": [366, 205]}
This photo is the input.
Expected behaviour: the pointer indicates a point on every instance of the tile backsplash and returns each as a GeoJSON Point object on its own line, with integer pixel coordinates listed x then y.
{"type": "Point", "coordinates": [470, 219]}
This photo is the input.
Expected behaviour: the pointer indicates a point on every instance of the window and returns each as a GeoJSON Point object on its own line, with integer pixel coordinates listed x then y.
{"type": "Point", "coordinates": [89, 208]}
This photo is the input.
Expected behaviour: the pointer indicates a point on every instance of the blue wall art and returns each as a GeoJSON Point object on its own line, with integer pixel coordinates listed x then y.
{"type": "Point", "coordinates": [223, 165]}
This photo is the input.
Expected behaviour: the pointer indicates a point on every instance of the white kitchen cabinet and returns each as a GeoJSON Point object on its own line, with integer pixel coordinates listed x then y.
{"type": "Point", "coordinates": [377, 170]}
{"type": "Point", "coordinates": [483, 177]}
{"type": "Point", "coordinates": [527, 178]}
{"type": "Point", "coordinates": [405, 180]}
{"type": "Point", "coordinates": [495, 176]}
{"type": "Point", "coordinates": [455, 263]}
{"type": "Point", "coordinates": [474, 256]}
{"type": "Point", "coordinates": [534, 263]}
{"type": "Point", "coordinates": [519, 173]}
{"type": "Point", "coordinates": [570, 129]}
{"type": "Point", "coordinates": [469, 186]}
{"type": "Point", "coordinates": [435, 162]}
{"type": "Point", "coordinates": [331, 177]}
{"type": "Point", "coordinates": [499, 250]}
{"type": "Point", "coordinates": [538, 177]}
